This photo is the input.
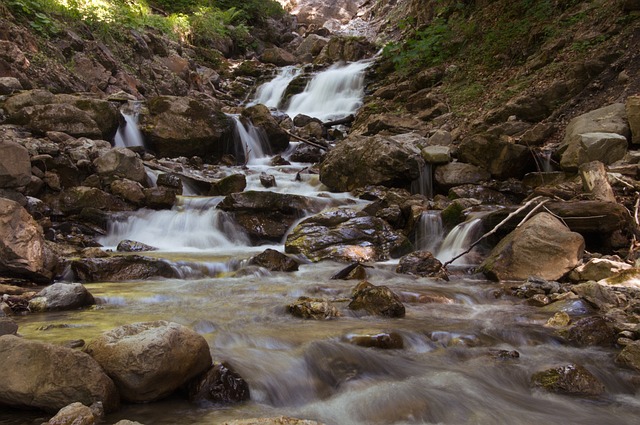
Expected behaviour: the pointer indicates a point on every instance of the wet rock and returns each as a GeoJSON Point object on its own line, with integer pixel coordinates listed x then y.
{"type": "Point", "coordinates": [184, 126]}
{"type": "Point", "coordinates": [280, 420]}
{"type": "Point", "coordinates": [591, 331]}
{"type": "Point", "coordinates": [436, 154]}
{"type": "Point", "coordinates": [120, 163]}
{"type": "Point", "coordinates": [502, 159]}
{"type": "Point", "coordinates": [601, 296]}
{"type": "Point", "coordinates": [134, 246]}
{"type": "Point", "coordinates": [630, 356]}
{"type": "Point", "coordinates": [571, 379]}
{"type": "Point", "coordinates": [8, 326]}
{"type": "Point", "coordinates": [261, 117]}
{"type": "Point", "coordinates": [346, 235]}
{"type": "Point", "coordinates": [74, 414]}
{"type": "Point", "coordinates": [377, 300]}
{"type": "Point", "coordinates": [421, 263]}
{"type": "Point", "coordinates": [538, 300]}
{"type": "Point", "coordinates": [458, 173]}
{"type": "Point", "coordinates": [268, 215]}
{"type": "Point", "coordinates": [354, 271]}
{"type": "Point", "coordinates": [313, 308]}
{"type": "Point", "coordinates": [121, 268]}
{"type": "Point", "coordinates": [633, 114]}
{"type": "Point", "coordinates": [75, 199]}
{"type": "Point", "coordinates": [160, 197]}
{"type": "Point", "coordinates": [220, 384]}
{"type": "Point", "coordinates": [235, 183]}
{"type": "Point", "coordinates": [379, 160]}
{"type": "Point", "coordinates": [541, 247]}
{"type": "Point", "coordinates": [559, 320]}
{"type": "Point", "coordinates": [15, 168]}
{"type": "Point", "coordinates": [383, 340]}
{"type": "Point", "coordinates": [148, 361]}
{"type": "Point", "coordinates": [62, 296]}
{"type": "Point", "coordinates": [506, 354]}
{"type": "Point", "coordinates": [49, 377]}
{"type": "Point", "coordinates": [23, 252]}
{"type": "Point", "coordinates": [267, 180]}
{"type": "Point", "coordinates": [275, 261]}
{"type": "Point", "coordinates": [306, 153]}
{"type": "Point", "coordinates": [128, 190]}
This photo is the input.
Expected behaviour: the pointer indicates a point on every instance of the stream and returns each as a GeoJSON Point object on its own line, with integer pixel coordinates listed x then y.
{"type": "Point", "coordinates": [451, 370]}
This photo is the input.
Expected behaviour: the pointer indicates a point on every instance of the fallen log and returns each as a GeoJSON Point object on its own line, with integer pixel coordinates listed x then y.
{"type": "Point", "coordinates": [346, 120]}
{"type": "Point", "coordinates": [308, 142]}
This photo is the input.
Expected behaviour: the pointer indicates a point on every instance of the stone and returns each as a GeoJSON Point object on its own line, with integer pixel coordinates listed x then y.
{"type": "Point", "coordinates": [502, 159]}
{"type": "Point", "coordinates": [359, 161]}
{"type": "Point", "coordinates": [149, 361]}
{"type": "Point", "coordinates": [440, 138]}
{"type": "Point", "coordinates": [220, 384]}
{"type": "Point", "coordinates": [7, 325]}
{"type": "Point", "coordinates": [436, 154]}
{"type": "Point", "coordinates": [559, 320]}
{"type": "Point", "coordinates": [609, 119]}
{"type": "Point", "coordinates": [421, 263]}
{"type": "Point", "coordinates": [234, 183]}
{"type": "Point", "coordinates": [23, 252]}
{"type": "Point", "coordinates": [267, 180]}
{"type": "Point", "coordinates": [261, 118]}
{"type": "Point", "coordinates": [15, 167]}
{"type": "Point", "coordinates": [458, 173]}
{"type": "Point", "coordinates": [483, 194]}
{"type": "Point", "coordinates": [312, 308]}
{"type": "Point", "coordinates": [121, 268]}
{"type": "Point", "coordinates": [274, 260]}
{"type": "Point", "coordinates": [541, 247]}
{"type": "Point", "coordinates": [61, 296]}
{"type": "Point", "coordinates": [597, 269]}
{"type": "Point", "coordinates": [586, 147]}
{"type": "Point", "coordinates": [348, 49]}
{"type": "Point", "coordinates": [633, 115]}
{"type": "Point", "coordinates": [571, 379]}
{"type": "Point", "coordinates": [129, 190]}
{"type": "Point", "coordinates": [120, 163]}
{"type": "Point", "coordinates": [9, 85]}
{"type": "Point", "coordinates": [75, 199]}
{"type": "Point", "coordinates": [591, 331]}
{"type": "Point", "coordinates": [278, 57]}
{"type": "Point", "coordinates": [134, 246]}
{"type": "Point", "coordinates": [602, 296]}
{"type": "Point", "coordinates": [160, 197]}
{"type": "Point", "coordinates": [43, 376]}
{"type": "Point", "coordinates": [312, 45]}
{"type": "Point", "coordinates": [346, 235]}
{"type": "Point", "coordinates": [73, 414]}
{"type": "Point", "coordinates": [376, 300]}
{"type": "Point", "coordinates": [382, 340]}
{"type": "Point", "coordinates": [630, 356]}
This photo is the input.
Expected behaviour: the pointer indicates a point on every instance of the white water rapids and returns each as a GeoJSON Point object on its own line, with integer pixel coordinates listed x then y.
{"type": "Point", "coordinates": [447, 372]}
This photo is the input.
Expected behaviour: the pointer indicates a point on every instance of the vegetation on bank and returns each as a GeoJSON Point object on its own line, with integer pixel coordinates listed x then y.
{"type": "Point", "coordinates": [186, 20]}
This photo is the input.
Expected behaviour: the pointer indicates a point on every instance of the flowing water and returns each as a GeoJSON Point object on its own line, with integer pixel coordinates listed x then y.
{"type": "Point", "coordinates": [447, 373]}
{"type": "Point", "coordinates": [270, 93]}
{"type": "Point", "coordinates": [128, 134]}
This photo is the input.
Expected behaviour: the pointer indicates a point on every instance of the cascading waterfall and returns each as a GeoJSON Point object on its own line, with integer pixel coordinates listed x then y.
{"type": "Point", "coordinates": [430, 231]}
{"type": "Point", "coordinates": [249, 141]}
{"type": "Point", "coordinates": [458, 240]}
{"type": "Point", "coordinates": [334, 93]}
{"type": "Point", "coordinates": [270, 93]}
{"type": "Point", "coordinates": [423, 185]}
{"type": "Point", "coordinates": [128, 134]}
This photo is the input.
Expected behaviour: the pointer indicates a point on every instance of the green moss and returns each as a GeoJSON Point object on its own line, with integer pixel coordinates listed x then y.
{"type": "Point", "coordinates": [452, 215]}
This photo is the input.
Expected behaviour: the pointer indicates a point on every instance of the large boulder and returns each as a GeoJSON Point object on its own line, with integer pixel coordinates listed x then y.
{"type": "Point", "coordinates": [50, 377]}
{"type": "Point", "coordinates": [586, 147]}
{"type": "Point", "coordinates": [346, 235]}
{"type": "Point", "coordinates": [61, 296]}
{"type": "Point", "coordinates": [501, 158]}
{"type": "Point", "coordinates": [148, 361]}
{"type": "Point", "coordinates": [184, 126]}
{"type": "Point", "coordinates": [349, 49]}
{"type": "Point", "coordinates": [609, 119]}
{"type": "Point", "coordinates": [278, 57]}
{"type": "Point", "coordinates": [120, 163]}
{"type": "Point", "coordinates": [23, 252]}
{"type": "Point", "coordinates": [15, 167]}
{"type": "Point", "coordinates": [541, 247]}
{"type": "Point", "coordinates": [75, 199]}
{"type": "Point", "coordinates": [378, 160]}
{"type": "Point", "coordinates": [261, 117]}
{"type": "Point", "coordinates": [571, 379]}
{"type": "Point", "coordinates": [458, 173]}
{"type": "Point", "coordinates": [121, 268]}
{"type": "Point", "coordinates": [266, 215]}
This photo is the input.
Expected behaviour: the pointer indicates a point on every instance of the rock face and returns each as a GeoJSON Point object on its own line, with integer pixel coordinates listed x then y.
{"type": "Point", "coordinates": [148, 361]}
{"type": "Point", "coordinates": [541, 247]}
{"type": "Point", "coordinates": [23, 252]}
{"type": "Point", "coordinates": [571, 379]}
{"type": "Point", "coordinates": [379, 160]}
{"type": "Point", "coordinates": [15, 167]}
{"type": "Point", "coordinates": [221, 384]}
{"type": "Point", "coordinates": [49, 377]}
{"type": "Point", "coordinates": [378, 300]}
{"type": "Point", "coordinates": [184, 126]}
{"type": "Point", "coordinates": [61, 296]}
{"type": "Point", "coordinates": [346, 235]}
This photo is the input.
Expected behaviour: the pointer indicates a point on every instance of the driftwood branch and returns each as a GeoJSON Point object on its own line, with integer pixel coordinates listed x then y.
{"type": "Point", "coordinates": [346, 120]}
{"type": "Point", "coordinates": [308, 142]}
{"type": "Point", "coordinates": [495, 229]}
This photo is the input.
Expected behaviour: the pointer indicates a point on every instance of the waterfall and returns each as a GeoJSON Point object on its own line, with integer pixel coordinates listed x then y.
{"type": "Point", "coordinates": [430, 231]}
{"type": "Point", "coordinates": [458, 240]}
{"type": "Point", "coordinates": [270, 93]}
{"type": "Point", "coordinates": [423, 185]}
{"type": "Point", "coordinates": [193, 224]}
{"type": "Point", "coordinates": [334, 93]}
{"type": "Point", "coordinates": [250, 142]}
{"type": "Point", "coordinates": [128, 134]}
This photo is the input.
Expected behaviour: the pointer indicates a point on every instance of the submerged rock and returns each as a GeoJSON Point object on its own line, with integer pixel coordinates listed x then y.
{"type": "Point", "coordinates": [378, 300]}
{"type": "Point", "coordinates": [383, 340]}
{"type": "Point", "coordinates": [421, 263]}
{"type": "Point", "coordinates": [220, 384]}
{"type": "Point", "coordinates": [148, 361]}
{"type": "Point", "coordinates": [571, 379]}
{"type": "Point", "coordinates": [49, 377]}
{"type": "Point", "coordinates": [274, 261]}
{"type": "Point", "coordinates": [313, 308]}
{"type": "Point", "coordinates": [592, 331]}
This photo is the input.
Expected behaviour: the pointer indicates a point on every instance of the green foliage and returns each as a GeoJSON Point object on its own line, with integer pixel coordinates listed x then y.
{"type": "Point", "coordinates": [35, 12]}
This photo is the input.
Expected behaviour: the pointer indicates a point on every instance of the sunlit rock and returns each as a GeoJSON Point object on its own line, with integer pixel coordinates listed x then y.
{"type": "Point", "coordinates": [74, 414]}
{"type": "Point", "coordinates": [313, 308]}
{"type": "Point", "coordinates": [377, 300]}
{"type": "Point", "coordinates": [571, 379]}
{"type": "Point", "coordinates": [61, 296]}
{"type": "Point", "coordinates": [383, 340]}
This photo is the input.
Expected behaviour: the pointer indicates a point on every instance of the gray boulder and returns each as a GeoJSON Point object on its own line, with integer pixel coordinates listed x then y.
{"type": "Point", "coordinates": [609, 119]}
{"type": "Point", "coordinates": [7, 325]}
{"type": "Point", "coordinates": [118, 163]}
{"type": "Point", "coordinates": [459, 173]}
{"type": "Point", "coordinates": [61, 296]}
{"type": "Point", "coordinates": [15, 167]}
{"type": "Point", "coordinates": [121, 268]}
{"type": "Point", "coordinates": [148, 361]}
{"type": "Point", "coordinates": [541, 247]}
{"type": "Point", "coordinates": [586, 147]}
{"type": "Point", "coordinates": [503, 159]}
{"type": "Point", "coordinates": [378, 160]}
{"type": "Point", "coordinates": [50, 377]}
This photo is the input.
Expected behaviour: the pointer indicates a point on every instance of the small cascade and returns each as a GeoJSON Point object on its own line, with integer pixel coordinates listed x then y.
{"type": "Point", "coordinates": [430, 231]}
{"type": "Point", "coordinates": [250, 142]}
{"type": "Point", "coordinates": [544, 157]}
{"type": "Point", "coordinates": [423, 185]}
{"type": "Point", "coordinates": [194, 224]}
{"type": "Point", "coordinates": [270, 93]}
{"type": "Point", "coordinates": [459, 240]}
{"type": "Point", "coordinates": [334, 93]}
{"type": "Point", "coordinates": [128, 134]}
